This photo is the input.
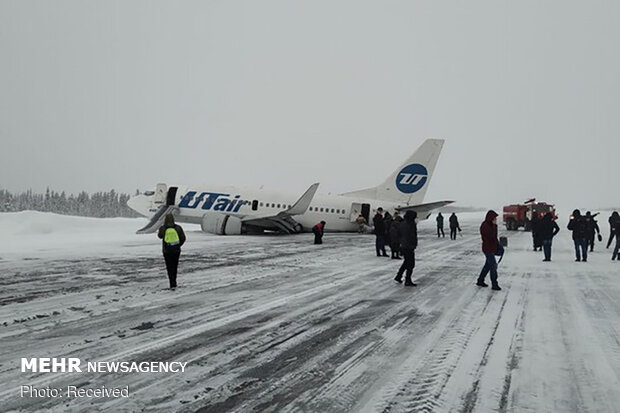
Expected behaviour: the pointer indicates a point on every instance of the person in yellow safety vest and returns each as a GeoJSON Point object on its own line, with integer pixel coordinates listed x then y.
{"type": "Point", "coordinates": [172, 238]}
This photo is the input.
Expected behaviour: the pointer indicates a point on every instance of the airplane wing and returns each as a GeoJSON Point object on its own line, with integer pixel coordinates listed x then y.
{"type": "Point", "coordinates": [424, 210]}
{"type": "Point", "coordinates": [283, 221]}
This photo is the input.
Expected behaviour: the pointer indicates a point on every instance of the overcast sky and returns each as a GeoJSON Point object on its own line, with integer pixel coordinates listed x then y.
{"type": "Point", "coordinates": [98, 95]}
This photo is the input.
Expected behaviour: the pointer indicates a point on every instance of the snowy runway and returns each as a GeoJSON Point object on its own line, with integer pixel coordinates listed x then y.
{"type": "Point", "coordinates": [278, 324]}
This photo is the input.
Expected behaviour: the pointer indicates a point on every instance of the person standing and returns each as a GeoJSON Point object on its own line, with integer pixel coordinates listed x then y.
{"type": "Point", "coordinates": [408, 239]}
{"type": "Point", "coordinates": [394, 241]}
{"type": "Point", "coordinates": [454, 225]}
{"type": "Point", "coordinates": [172, 238]}
{"type": "Point", "coordinates": [379, 224]}
{"type": "Point", "coordinates": [387, 222]}
{"type": "Point", "coordinates": [490, 247]}
{"type": "Point", "coordinates": [439, 220]}
{"type": "Point", "coordinates": [534, 225]}
{"type": "Point", "coordinates": [613, 218]}
{"type": "Point", "coordinates": [593, 230]}
{"type": "Point", "coordinates": [361, 224]}
{"type": "Point", "coordinates": [616, 230]}
{"type": "Point", "coordinates": [318, 230]}
{"type": "Point", "coordinates": [578, 225]}
{"type": "Point", "coordinates": [547, 229]}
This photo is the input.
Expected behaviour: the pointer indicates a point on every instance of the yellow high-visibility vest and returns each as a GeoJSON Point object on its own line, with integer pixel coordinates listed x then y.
{"type": "Point", "coordinates": [171, 237]}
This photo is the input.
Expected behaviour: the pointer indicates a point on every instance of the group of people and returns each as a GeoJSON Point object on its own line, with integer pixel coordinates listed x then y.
{"type": "Point", "coordinates": [454, 226]}
{"type": "Point", "coordinates": [402, 237]}
{"type": "Point", "coordinates": [386, 233]}
{"type": "Point", "coordinates": [401, 234]}
{"type": "Point", "coordinates": [585, 231]}
{"type": "Point", "coordinates": [592, 230]}
{"type": "Point", "coordinates": [543, 231]}
{"type": "Point", "coordinates": [584, 228]}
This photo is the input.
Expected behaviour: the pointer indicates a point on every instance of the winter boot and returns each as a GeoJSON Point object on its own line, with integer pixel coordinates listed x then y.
{"type": "Point", "coordinates": [481, 283]}
{"type": "Point", "coordinates": [398, 279]}
{"type": "Point", "coordinates": [496, 288]}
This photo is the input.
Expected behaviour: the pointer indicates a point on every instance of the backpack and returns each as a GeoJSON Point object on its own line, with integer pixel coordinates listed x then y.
{"type": "Point", "coordinates": [171, 237]}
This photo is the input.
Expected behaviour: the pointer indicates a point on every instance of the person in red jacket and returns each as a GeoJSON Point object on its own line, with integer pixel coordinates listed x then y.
{"type": "Point", "coordinates": [318, 231]}
{"type": "Point", "coordinates": [490, 247]}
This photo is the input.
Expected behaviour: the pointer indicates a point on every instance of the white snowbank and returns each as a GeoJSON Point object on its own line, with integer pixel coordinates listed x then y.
{"type": "Point", "coordinates": [44, 223]}
{"type": "Point", "coordinates": [35, 234]}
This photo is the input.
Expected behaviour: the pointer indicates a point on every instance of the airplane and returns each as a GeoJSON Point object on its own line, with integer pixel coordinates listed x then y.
{"type": "Point", "coordinates": [230, 210]}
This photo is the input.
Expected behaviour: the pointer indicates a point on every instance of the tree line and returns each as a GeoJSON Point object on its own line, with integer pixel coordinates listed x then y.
{"type": "Point", "coordinates": [99, 204]}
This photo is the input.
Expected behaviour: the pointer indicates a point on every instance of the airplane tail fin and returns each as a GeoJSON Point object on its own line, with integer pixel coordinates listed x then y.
{"type": "Point", "coordinates": [409, 182]}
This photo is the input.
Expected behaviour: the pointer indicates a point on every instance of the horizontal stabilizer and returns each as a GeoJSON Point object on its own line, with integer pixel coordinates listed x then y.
{"type": "Point", "coordinates": [157, 219]}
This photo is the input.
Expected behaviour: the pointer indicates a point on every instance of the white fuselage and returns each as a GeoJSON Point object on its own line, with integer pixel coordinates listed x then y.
{"type": "Point", "coordinates": [229, 209]}
{"type": "Point", "coordinates": [339, 212]}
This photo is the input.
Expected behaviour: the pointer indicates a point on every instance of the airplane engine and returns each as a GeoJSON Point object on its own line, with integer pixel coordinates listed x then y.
{"type": "Point", "coordinates": [221, 224]}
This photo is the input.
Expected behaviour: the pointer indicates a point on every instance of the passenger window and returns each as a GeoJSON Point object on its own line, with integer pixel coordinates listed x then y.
{"type": "Point", "coordinates": [332, 210]}
{"type": "Point", "coordinates": [261, 204]}
{"type": "Point", "coordinates": [310, 208]}
{"type": "Point", "coordinates": [321, 209]}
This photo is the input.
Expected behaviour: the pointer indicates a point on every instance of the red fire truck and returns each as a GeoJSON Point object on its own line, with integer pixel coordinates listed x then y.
{"type": "Point", "coordinates": [520, 215]}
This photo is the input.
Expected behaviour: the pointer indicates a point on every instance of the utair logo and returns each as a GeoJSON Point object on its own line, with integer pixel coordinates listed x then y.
{"type": "Point", "coordinates": [411, 178]}
{"type": "Point", "coordinates": [212, 201]}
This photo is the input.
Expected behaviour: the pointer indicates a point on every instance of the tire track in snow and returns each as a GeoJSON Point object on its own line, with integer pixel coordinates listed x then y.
{"type": "Point", "coordinates": [192, 332]}
{"type": "Point", "coordinates": [471, 397]}
{"type": "Point", "coordinates": [297, 384]}
{"type": "Point", "coordinates": [419, 385]}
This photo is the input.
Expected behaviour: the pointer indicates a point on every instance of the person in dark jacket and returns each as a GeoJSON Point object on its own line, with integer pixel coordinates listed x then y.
{"type": "Point", "coordinates": [387, 222]}
{"type": "Point", "coordinates": [547, 229]}
{"type": "Point", "coordinates": [379, 224]}
{"type": "Point", "coordinates": [613, 218]}
{"type": "Point", "coordinates": [318, 230]}
{"type": "Point", "coordinates": [616, 229]}
{"type": "Point", "coordinates": [439, 220]}
{"type": "Point", "coordinates": [593, 230]}
{"type": "Point", "coordinates": [490, 247]}
{"type": "Point", "coordinates": [454, 225]}
{"type": "Point", "coordinates": [172, 238]}
{"type": "Point", "coordinates": [536, 240]}
{"type": "Point", "coordinates": [578, 225]}
{"type": "Point", "coordinates": [394, 241]}
{"type": "Point", "coordinates": [408, 238]}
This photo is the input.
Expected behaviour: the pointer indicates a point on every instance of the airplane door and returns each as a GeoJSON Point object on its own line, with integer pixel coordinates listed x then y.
{"type": "Point", "coordinates": [172, 194]}
{"type": "Point", "coordinates": [160, 194]}
{"type": "Point", "coordinates": [357, 209]}
{"type": "Point", "coordinates": [366, 212]}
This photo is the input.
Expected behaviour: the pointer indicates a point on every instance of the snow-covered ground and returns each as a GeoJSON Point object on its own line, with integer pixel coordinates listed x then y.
{"type": "Point", "coordinates": [274, 323]}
